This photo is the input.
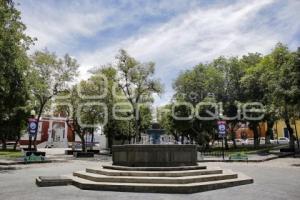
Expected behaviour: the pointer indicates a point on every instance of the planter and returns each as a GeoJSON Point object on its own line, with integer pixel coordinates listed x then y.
{"type": "Point", "coordinates": [81, 154]}
{"type": "Point", "coordinates": [287, 150]}
{"type": "Point", "coordinates": [71, 152]}
{"type": "Point", "coordinates": [35, 153]}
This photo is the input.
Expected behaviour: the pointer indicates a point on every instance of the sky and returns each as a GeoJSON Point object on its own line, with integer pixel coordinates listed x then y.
{"type": "Point", "coordinates": [175, 34]}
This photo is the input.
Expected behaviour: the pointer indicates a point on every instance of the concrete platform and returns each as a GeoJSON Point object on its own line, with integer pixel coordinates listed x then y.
{"type": "Point", "coordinates": [182, 181]}
{"type": "Point", "coordinates": [155, 180]}
{"type": "Point", "coordinates": [161, 188]}
{"type": "Point", "coordinates": [181, 168]}
{"type": "Point", "coordinates": [47, 181]}
{"type": "Point", "coordinates": [109, 172]}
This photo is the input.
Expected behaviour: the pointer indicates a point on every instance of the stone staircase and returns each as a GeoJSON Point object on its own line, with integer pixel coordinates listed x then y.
{"type": "Point", "coordinates": [157, 179]}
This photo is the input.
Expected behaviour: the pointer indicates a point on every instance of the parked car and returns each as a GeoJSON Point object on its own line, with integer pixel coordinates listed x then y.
{"type": "Point", "coordinates": [241, 141]}
{"type": "Point", "coordinates": [273, 141]}
{"type": "Point", "coordinates": [250, 141]}
{"type": "Point", "coordinates": [283, 140]}
{"type": "Point", "coordinates": [262, 140]}
{"type": "Point", "coordinates": [238, 141]}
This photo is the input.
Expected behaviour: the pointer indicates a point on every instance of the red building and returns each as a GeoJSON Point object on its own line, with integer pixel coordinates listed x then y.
{"type": "Point", "coordinates": [52, 131]}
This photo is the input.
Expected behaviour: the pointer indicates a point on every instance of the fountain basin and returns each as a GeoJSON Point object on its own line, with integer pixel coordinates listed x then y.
{"type": "Point", "coordinates": [154, 155]}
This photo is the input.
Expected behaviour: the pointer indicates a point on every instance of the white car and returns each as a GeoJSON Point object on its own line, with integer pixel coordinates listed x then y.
{"type": "Point", "coordinates": [238, 141]}
{"type": "Point", "coordinates": [273, 141]}
{"type": "Point", "coordinates": [241, 141]}
{"type": "Point", "coordinates": [250, 141]}
{"type": "Point", "coordinates": [283, 140]}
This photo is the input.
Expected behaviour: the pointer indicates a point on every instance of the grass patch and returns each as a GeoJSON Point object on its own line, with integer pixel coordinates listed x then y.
{"type": "Point", "coordinates": [10, 154]}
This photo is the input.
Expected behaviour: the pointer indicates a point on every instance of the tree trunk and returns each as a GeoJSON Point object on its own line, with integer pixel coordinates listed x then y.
{"type": "Point", "coordinates": [92, 139]}
{"type": "Point", "coordinates": [234, 143]}
{"type": "Point", "coordinates": [38, 121]}
{"type": "Point", "coordinates": [182, 138]}
{"type": "Point", "coordinates": [226, 143]}
{"type": "Point", "coordinates": [176, 138]}
{"type": "Point", "coordinates": [269, 132]}
{"type": "Point", "coordinates": [233, 137]}
{"type": "Point", "coordinates": [16, 142]}
{"type": "Point", "coordinates": [291, 133]}
{"type": "Point", "coordinates": [253, 126]}
{"type": "Point", "coordinates": [83, 145]}
{"type": "Point", "coordinates": [297, 138]}
{"type": "Point", "coordinates": [110, 140]}
{"type": "Point", "coordinates": [290, 129]}
{"type": "Point", "coordinates": [259, 134]}
{"type": "Point", "coordinates": [255, 135]}
{"type": "Point", "coordinates": [30, 142]}
{"type": "Point", "coordinates": [3, 140]}
{"type": "Point", "coordinates": [129, 139]}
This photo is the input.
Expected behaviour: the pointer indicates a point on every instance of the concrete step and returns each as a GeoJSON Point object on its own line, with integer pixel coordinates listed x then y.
{"type": "Point", "coordinates": [109, 172]}
{"type": "Point", "coordinates": [161, 188]}
{"type": "Point", "coordinates": [155, 180]}
{"type": "Point", "coordinates": [125, 168]}
{"type": "Point", "coordinates": [48, 181]}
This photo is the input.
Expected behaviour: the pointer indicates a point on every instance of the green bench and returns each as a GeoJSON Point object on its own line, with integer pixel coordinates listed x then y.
{"type": "Point", "coordinates": [34, 157]}
{"type": "Point", "coordinates": [238, 156]}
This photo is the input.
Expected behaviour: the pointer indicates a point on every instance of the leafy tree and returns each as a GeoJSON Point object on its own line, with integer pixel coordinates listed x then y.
{"type": "Point", "coordinates": [84, 114]}
{"type": "Point", "coordinates": [137, 84]}
{"type": "Point", "coordinates": [50, 76]}
{"type": "Point", "coordinates": [166, 121]}
{"type": "Point", "coordinates": [14, 68]}
{"type": "Point", "coordinates": [113, 129]}
{"type": "Point", "coordinates": [284, 84]}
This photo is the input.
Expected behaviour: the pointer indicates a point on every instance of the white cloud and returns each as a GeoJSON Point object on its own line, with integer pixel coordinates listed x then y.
{"type": "Point", "coordinates": [198, 34]}
{"type": "Point", "coordinates": [58, 28]}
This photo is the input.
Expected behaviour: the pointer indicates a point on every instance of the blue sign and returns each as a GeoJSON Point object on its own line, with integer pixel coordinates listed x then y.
{"type": "Point", "coordinates": [222, 128]}
{"type": "Point", "coordinates": [32, 126]}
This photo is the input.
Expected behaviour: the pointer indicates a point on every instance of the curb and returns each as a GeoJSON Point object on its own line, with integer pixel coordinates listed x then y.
{"type": "Point", "coordinates": [252, 161]}
{"type": "Point", "coordinates": [8, 163]}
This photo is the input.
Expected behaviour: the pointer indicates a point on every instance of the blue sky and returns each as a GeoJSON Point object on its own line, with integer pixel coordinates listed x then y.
{"type": "Point", "coordinates": [175, 34]}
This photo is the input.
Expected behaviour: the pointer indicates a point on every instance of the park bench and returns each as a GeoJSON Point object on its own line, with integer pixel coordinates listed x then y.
{"type": "Point", "coordinates": [34, 156]}
{"type": "Point", "coordinates": [238, 156]}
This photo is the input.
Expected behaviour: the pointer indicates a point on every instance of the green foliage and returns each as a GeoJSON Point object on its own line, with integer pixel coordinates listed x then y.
{"type": "Point", "coordinates": [13, 71]}
{"type": "Point", "coordinates": [137, 83]}
{"type": "Point", "coordinates": [272, 80]}
{"type": "Point", "coordinates": [49, 76]}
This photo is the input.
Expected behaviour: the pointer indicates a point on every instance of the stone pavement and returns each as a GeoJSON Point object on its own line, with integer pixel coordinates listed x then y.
{"type": "Point", "coordinates": [273, 180]}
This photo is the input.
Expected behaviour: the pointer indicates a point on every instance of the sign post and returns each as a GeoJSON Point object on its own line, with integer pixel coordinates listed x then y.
{"type": "Point", "coordinates": [32, 129]}
{"type": "Point", "coordinates": [222, 133]}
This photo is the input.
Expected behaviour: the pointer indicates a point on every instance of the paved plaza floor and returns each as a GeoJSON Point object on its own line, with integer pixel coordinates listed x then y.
{"type": "Point", "coordinates": [276, 179]}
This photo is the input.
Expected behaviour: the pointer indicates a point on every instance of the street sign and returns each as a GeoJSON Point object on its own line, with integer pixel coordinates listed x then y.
{"type": "Point", "coordinates": [222, 128]}
{"type": "Point", "coordinates": [32, 126]}
{"type": "Point", "coordinates": [222, 134]}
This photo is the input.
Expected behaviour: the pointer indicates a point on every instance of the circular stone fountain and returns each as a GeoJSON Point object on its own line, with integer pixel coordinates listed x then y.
{"type": "Point", "coordinates": [151, 168]}
{"type": "Point", "coordinates": [154, 155]}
